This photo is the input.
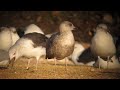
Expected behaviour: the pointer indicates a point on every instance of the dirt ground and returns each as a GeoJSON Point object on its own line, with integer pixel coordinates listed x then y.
{"type": "Point", "coordinates": [47, 70]}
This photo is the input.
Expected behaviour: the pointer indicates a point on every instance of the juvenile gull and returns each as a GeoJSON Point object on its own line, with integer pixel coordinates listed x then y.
{"type": "Point", "coordinates": [102, 43]}
{"type": "Point", "coordinates": [61, 44]}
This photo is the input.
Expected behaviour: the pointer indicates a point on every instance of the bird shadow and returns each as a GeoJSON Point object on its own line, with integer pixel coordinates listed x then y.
{"type": "Point", "coordinates": [3, 68]}
{"type": "Point", "coordinates": [62, 64]}
{"type": "Point", "coordinates": [20, 31]}
{"type": "Point", "coordinates": [109, 72]}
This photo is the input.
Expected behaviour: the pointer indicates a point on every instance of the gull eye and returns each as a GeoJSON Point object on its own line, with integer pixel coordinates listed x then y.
{"type": "Point", "coordinates": [14, 31]}
{"type": "Point", "coordinates": [70, 24]}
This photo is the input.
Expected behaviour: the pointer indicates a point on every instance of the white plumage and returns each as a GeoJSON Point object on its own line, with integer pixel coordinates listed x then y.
{"type": "Point", "coordinates": [33, 28]}
{"type": "Point", "coordinates": [49, 35]}
{"type": "Point", "coordinates": [114, 64]}
{"type": "Point", "coordinates": [5, 38]}
{"type": "Point", "coordinates": [103, 45]}
{"type": "Point", "coordinates": [4, 58]}
{"type": "Point", "coordinates": [8, 36]}
{"type": "Point", "coordinates": [14, 35]}
{"type": "Point", "coordinates": [78, 49]}
{"type": "Point", "coordinates": [25, 47]}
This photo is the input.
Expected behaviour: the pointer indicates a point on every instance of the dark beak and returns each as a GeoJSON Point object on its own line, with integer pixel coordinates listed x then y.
{"type": "Point", "coordinates": [75, 28]}
{"type": "Point", "coordinates": [92, 32]}
{"type": "Point", "coordinates": [11, 62]}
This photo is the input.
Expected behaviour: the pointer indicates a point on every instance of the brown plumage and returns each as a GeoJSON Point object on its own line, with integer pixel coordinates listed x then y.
{"type": "Point", "coordinates": [61, 44]}
{"type": "Point", "coordinates": [58, 51]}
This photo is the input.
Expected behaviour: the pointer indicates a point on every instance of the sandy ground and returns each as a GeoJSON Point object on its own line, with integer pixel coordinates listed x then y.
{"type": "Point", "coordinates": [47, 70]}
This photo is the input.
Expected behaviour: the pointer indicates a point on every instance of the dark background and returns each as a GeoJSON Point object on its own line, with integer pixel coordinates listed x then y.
{"type": "Point", "coordinates": [49, 21]}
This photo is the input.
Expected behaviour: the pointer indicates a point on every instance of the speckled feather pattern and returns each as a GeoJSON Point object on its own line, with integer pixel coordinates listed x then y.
{"type": "Point", "coordinates": [60, 45]}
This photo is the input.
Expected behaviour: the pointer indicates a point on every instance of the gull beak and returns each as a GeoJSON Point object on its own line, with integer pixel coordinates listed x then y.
{"type": "Point", "coordinates": [74, 28]}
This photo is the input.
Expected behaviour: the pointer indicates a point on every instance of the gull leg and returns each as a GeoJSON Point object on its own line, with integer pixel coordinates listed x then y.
{"type": "Point", "coordinates": [28, 64]}
{"type": "Point", "coordinates": [98, 62]}
{"type": "Point", "coordinates": [37, 63]}
{"type": "Point", "coordinates": [47, 60]}
{"type": "Point", "coordinates": [66, 59]}
{"type": "Point", "coordinates": [55, 66]}
{"type": "Point", "coordinates": [12, 62]}
{"type": "Point", "coordinates": [65, 63]}
{"type": "Point", "coordinates": [55, 61]}
{"type": "Point", "coordinates": [108, 61]}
